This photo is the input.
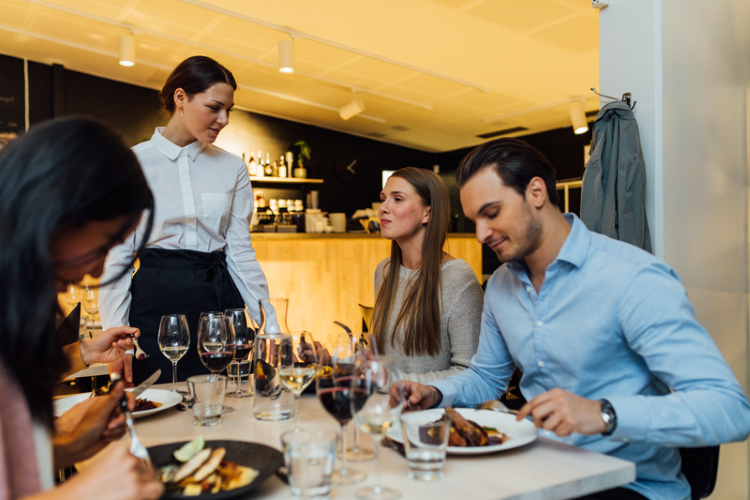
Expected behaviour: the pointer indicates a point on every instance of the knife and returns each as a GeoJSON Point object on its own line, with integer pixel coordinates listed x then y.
{"type": "Point", "coordinates": [115, 377]}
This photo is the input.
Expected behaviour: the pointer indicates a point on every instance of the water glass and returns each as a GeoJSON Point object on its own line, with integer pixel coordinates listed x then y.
{"type": "Point", "coordinates": [207, 393]}
{"type": "Point", "coordinates": [272, 353]}
{"type": "Point", "coordinates": [309, 456]}
{"type": "Point", "coordinates": [425, 441]}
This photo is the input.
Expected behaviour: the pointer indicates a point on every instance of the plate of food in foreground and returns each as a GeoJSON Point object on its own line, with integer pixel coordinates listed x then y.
{"type": "Point", "coordinates": [213, 470]}
{"type": "Point", "coordinates": [150, 402]}
{"type": "Point", "coordinates": [478, 432]}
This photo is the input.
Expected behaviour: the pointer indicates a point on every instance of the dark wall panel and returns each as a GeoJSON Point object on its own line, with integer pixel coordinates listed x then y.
{"type": "Point", "coordinates": [12, 120]}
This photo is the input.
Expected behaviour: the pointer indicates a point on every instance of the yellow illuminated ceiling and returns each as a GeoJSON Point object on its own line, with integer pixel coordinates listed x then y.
{"type": "Point", "coordinates": [528, 53]}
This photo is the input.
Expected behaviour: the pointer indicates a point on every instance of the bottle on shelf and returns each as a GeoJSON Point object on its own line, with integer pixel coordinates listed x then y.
{"type": "Point", "coordinates": [259, 171]}
{"type": "Point", "coordinates": [282, 168]}
{"type": "Point", "coordinates": [268, 168]}
{"type": "Point", "coordinates": [290, 164]}
{"type": "Point", "coordinates": [252, 165]}
{"type": "Point", "coordinates": [275, 168]}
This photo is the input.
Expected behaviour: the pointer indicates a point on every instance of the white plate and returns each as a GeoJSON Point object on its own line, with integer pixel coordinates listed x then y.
{"type": "Point", "coordinates": [168, 399]}
{"type": "Point", "coordinates": [519, 433]}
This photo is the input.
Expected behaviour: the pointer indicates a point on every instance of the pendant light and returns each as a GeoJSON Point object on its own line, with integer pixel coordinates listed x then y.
{"type": "Point", "coordinates": [127, 50]}
{"type": "Point", "coordinates": [578, 117]}
{"type": "Point", "coordinates": [286, 56]}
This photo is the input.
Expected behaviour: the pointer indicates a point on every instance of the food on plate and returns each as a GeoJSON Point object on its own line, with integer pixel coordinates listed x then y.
{"type": "Point", "coordinates": [205, 471]}
{"type": "Point", "coordinates": [467, 433]}
{"type": "Point", "coordinates": [143, 404]}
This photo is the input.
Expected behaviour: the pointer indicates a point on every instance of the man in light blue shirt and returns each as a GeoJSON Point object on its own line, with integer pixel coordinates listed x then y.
{"type": "Point", "coordinates": [613, 359]}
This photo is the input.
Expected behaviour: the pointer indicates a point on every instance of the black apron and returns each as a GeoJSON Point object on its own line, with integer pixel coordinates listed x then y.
{"type": "Point", "coordinates": [177, 282]}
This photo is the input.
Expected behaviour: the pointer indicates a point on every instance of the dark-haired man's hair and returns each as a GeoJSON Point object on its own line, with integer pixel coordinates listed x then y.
{"type": "Point", "coordinates": [515, 161]}
{"type": "Point", "coordinates": [194, 75]}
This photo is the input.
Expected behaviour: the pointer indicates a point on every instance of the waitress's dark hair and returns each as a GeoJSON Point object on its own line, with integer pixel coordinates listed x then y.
{"type": "Point", "coordinates": [194, 75]}
{"type": "Point", "coordinates": [62, 174]}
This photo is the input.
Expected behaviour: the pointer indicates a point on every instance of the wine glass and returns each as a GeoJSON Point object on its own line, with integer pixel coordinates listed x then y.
{"type": "Point", "coordinates": [357, 453]}
{"type": "Point", "coordinates": [216, 344]}
{"type": "Point", "coordinates": [91, 302]}
{"type": "Point", "coordinates": [371, 407]}
{"type": "Point", "coordinates": [333, 385]}
{"type": "Point", "coordinates": [174, 341]}
{"type": "Point", "coordinates": [299, 375]}
{"type": "Point", "coordinates": [244, 339]}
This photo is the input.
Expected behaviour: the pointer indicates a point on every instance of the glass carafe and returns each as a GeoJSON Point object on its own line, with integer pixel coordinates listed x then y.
{"type": "Point", "coordinates": [272, 353]}
{"type": "Point", "coordinates": [273, 314]}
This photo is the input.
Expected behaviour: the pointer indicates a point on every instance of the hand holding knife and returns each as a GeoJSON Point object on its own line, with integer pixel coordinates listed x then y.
{"type": "Point", "coordinates": [136, 448]}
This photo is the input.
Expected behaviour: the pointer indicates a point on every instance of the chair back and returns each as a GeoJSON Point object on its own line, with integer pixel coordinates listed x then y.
{"type": "Point", "coordinates": [700, 465]}
{"type": "Point", "coordinates": [366, 317]}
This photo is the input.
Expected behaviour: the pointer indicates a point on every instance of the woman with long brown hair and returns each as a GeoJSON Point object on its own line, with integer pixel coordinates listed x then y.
{"type": "Point", "coordinates": [428, 304]}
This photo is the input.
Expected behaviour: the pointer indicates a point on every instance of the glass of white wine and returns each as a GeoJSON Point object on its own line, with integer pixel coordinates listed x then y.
{"type": "Point", "coordinates": [174, 341]}
{"type": "Point", "coordinates": [371, 407]}
{"type": "Point", "coordinates": [297, 376]}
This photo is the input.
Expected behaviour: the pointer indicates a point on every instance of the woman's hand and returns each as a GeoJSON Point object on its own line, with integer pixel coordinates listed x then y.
{"type": "Point", "coordinates": [89, 426]}
{"type": "Point", "coordinates": [108, 346]}
{"type": "Point", "coordinates": [115, 475]}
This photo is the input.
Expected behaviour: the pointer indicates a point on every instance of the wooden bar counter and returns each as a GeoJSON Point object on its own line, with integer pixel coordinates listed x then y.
{"type": "Point", "coordinates": [325, 276]}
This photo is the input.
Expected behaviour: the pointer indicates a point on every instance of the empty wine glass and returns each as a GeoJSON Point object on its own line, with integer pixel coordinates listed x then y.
{"type": "Point", "coordinates": [73, 296]}
{"type": "Point", "coordinates": [244, 339]}
{"type": "Point", "coordinates": [174, 341]}
{"type": "Point", "coordinates": [368, 346]}
{"type": "Point", "coordinates": [216, 344]}
{"type": "Point", "coordinates": [299, 375]}
{"type": "Point", "coordinates": [334, 387]}
{"type": "Point", "coordinates": [91, 302]}
{"type": "Point", "coordinates": [371, 407]}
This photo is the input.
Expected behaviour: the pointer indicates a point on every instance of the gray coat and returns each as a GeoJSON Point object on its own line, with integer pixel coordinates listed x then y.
{"type": "Point", "coordinates": [613, 197]}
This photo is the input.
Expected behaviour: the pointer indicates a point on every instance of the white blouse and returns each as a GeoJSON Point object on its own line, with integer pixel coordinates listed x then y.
{"type": "Point", "coordinates": [203, 202]}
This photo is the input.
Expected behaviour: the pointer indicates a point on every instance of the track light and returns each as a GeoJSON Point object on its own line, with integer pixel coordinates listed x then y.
{"type": "Point", "coordinates": [578, 117]}
{"type": "Point", "coordinates": [286, 56]}
{"type": "Point", "coordinates": [353, 108]}
{"type": "Point", "coordinates": [127, 50]}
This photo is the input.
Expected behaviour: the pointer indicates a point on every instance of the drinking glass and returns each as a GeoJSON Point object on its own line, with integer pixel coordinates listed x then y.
{"type": "Point", "coordinates": [244, 339]}
{"type": "Point", "coordinates": [272, 353]}
{"type": "Point", "coordinates": [216, 344]}
{"type": "Point", "coordinates": [370, 405]}
{"type": "Point", "coordinates": [207, 394]}
{"type": "Point", "coordinates": [334, 387]}
{"type": "Point", "coordinates": [73, 296]}
{"type": "Point", "coordinates": [174, 341]}
{"type": "Point", "coordinates": [299, 375]}
{"type": "Point", "coordinates": [426, 436]}
{"type": "Point", "coordinates": [273, 315]}
{"type": "Point", "coordinates": [91, 302]}
{"type": "Point", "coordinates": [309, 456]}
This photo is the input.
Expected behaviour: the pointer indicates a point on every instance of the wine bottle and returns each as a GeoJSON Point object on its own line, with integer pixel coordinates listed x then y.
{"type": "Point", "coordinates": [268, 168]}
{"type": "Point", "coordinates": [282, 168]}
{"type": "Point", "coordinates": [259, 172]}
{"type": "Point", "coordinates": [252, 165]}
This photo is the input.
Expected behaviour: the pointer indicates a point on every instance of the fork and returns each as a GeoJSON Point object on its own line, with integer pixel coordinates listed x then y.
{"type": "Point", "coordinates": [495, 405]}
{"type": "Point", "coordinates": [136, 447]}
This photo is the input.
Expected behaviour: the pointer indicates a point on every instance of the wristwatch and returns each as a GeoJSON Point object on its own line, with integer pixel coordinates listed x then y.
{"type": "Point", "coordinates": [440, 398]}
{"type": "Point", "coordinates": [607, 412]}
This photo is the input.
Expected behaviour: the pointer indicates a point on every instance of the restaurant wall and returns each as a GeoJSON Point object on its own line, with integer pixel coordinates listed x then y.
{"type": "Point", "coordinates": [686, 62]}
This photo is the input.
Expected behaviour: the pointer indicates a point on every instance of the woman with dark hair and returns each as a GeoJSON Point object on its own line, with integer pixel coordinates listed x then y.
{"type": "Point", "coordinates": [428, 305]}
{"type": "Point", "coordinates": [199, 256]}
{"type": "Point", "coordinates": [69, 191]}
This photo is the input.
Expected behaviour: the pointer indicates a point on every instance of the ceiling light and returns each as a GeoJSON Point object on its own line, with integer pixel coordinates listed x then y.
{"type": "Point", "coordinates": [286, 56]}
{"type": "Point", "coordinates": [127, 50]}
{"type": "Point", "coordinates": [578, 117]}
{"type": "Point", "coordinates": [355, 107]}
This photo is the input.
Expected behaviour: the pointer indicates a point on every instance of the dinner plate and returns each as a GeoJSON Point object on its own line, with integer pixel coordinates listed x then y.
{"type": "Point", "coordinates": [168, 399]}
{"type": "Point", "coordinates": [520, 433]}
{"type": "Point", "coordinates": [260, 457]}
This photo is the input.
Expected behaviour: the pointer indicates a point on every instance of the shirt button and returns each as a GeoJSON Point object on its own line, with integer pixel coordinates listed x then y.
{"type": "Point", "coordinates": [624, 440]}
{"type": "Point", "coordinates": [540, 363]}
{"type": "Point", "coordinates": [539, 323]}
{"type": "Point", "coordinates": [528, 289]}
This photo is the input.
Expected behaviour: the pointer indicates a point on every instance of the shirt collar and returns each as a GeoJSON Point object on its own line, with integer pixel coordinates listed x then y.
{"type": "Point", "coordinates": [573, 251]}
{"type": "Point", "coordinates": [172, 150]}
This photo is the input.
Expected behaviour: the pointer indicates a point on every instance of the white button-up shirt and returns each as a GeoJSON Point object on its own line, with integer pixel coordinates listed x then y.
{"type": "Point", "coordinates": [203, 202]}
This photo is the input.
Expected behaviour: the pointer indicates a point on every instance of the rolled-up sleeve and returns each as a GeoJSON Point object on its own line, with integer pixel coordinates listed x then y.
{"type": "Point", "coordinates": [243, 266]}
{"type": "Point", "coordinates": [114, 298]}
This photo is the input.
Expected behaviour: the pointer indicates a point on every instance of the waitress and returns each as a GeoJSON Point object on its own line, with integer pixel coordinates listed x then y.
{"type": "Point", "coordinates": [199, 256]}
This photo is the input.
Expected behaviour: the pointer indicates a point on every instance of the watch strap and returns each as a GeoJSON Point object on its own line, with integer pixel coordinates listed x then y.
{"type": "Point", "coordinates": [609, 416]}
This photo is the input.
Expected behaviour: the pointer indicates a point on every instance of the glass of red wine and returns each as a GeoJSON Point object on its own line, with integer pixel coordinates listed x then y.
{"type": "Point", "coordinates": [334, 388]}
{"type": "Point", "coordinates": [216, 344]}
{"type": "Point", "coordinates": [244, 339]}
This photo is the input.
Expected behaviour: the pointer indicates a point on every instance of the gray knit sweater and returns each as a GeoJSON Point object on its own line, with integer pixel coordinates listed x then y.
{"type": "Point", "coordinates": [460, 318]}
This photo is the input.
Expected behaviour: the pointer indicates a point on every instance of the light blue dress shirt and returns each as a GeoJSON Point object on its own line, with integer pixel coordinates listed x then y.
{"type": "Point", "coordinates": [610, 322]}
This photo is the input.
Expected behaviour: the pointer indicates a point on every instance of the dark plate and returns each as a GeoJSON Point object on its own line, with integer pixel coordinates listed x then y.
{"type": "Point", "coordinates": [260, 457]}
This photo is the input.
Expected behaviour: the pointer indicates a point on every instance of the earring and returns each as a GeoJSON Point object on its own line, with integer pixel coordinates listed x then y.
{"type": "Point", "coordinates": [183, 116]}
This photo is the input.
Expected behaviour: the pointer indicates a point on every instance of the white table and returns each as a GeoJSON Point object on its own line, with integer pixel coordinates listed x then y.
{"type": "Point", "coordinates": [545, 469]}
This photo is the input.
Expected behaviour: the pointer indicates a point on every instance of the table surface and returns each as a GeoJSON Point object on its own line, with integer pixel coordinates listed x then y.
{"type": "Point", "coordinates": [545, 469]}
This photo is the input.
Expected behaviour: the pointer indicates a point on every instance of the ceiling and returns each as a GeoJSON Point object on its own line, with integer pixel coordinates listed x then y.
{"type": "Point", "coordinates": [403, 55]}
